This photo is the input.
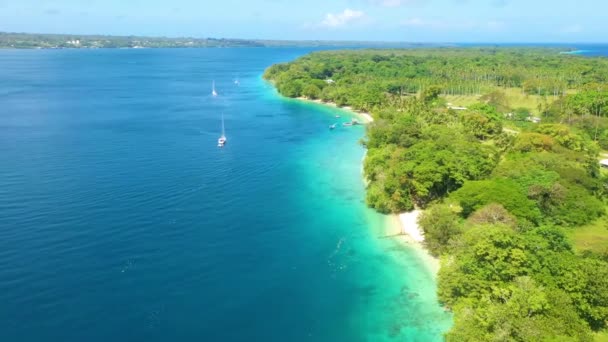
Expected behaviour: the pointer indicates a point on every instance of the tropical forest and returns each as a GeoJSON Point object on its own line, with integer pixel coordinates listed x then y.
{"type": "Point", "coordinates": [501, 149]}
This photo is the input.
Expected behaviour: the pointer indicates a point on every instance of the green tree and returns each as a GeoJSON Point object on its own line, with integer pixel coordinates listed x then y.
{"type": "Point", "coordinates": [492, 214]}
{"type": "Point", "coordinates": [522, 312]}
{"type": "Point", "coordinates": [311, 91]}
{"type": "Point", "coordinates": [430, 94]}
{"type": "Point", "coordinates": [481, 125]}
{"type": "Point", "coordinates": [476, 194]}
{"type": "Point", "coordinates": [441, 225]}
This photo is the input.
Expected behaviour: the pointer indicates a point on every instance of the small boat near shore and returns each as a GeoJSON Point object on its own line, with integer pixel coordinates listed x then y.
{"type": "Point", "coordinates": [353, 122]}
{"type": "Point", "coordinates": [332, 126]}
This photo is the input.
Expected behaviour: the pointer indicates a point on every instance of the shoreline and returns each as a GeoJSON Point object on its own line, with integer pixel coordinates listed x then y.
{"type": "Point", "coordinates": [575, 52]}
{"type": "Point", "coordinates": [403, 226]}
{"type": "Point", "coordinates": [412, 235]}
{"type": "Point", "coordinates": [367, 117]}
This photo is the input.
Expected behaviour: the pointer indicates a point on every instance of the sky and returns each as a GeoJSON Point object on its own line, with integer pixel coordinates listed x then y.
{"type": "Point", "coordinates": [491, 21]}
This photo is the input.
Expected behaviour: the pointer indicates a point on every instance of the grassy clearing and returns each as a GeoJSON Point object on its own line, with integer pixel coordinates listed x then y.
{"type": "Point", "coordinates": [514, 96]}
{"type": "Point", "coordinates": [592, 237]}
{"type": "Point", "coordinates": [601, 336]}
{"type": "Point", "coordinates": [518, 126]}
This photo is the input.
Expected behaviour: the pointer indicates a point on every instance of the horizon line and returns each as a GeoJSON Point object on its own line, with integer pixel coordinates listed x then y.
{"type": "Point", "coordinates": [514, 42]}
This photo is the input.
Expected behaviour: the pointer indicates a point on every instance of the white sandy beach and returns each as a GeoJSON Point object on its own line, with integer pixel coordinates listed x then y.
{"type": "Point", "coordinates": [367, 117]}
{"type": "Point", "coordinates": [409, 225]}
{"type": "Point", "coordinates": [414, 237]}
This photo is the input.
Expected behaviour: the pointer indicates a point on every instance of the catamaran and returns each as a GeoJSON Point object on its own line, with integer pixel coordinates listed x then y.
{"type": "Point", "coordinates": [213, 92]}
{"type": "Point", "coordinates": [222, 140]}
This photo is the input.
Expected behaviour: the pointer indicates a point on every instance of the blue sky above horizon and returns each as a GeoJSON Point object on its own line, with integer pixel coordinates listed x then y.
{"type": "Point", "coordinates": [380, 20]}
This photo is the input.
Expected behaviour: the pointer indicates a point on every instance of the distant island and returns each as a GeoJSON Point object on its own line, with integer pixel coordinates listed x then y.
{"type": "Point", "coordinates": [75, 41]}
{"type": "Point", "coordinates": [500, 148]}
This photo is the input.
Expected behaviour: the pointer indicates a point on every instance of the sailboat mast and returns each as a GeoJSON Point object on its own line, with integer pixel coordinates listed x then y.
{"type": "Point", "coordinates": [223, 132]}
{"type": "Point", "coordinates": [222, 140]}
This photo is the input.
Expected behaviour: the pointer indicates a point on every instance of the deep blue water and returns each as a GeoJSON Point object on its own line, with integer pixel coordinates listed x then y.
{"type": "Point", "coordinates": [120, 219]}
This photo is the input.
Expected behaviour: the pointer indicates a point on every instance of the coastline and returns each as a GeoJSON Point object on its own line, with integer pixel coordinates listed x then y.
{"type": "Point", "coordinates": [404, 226]}
{"type": "Point", "coordinates": [408, 272]}
{"type": "Point", "coordinates": [367, 117]}
{"type": "Point", "coordinates": [411, 234]}
{"type": "Point", "coordinates": [575, 52]}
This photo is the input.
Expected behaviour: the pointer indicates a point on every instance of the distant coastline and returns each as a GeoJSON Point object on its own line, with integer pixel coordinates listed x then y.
{"type": "Point", "coordinates": [11, 40]}
{"type": "Point", "coordinates": [575, 52]}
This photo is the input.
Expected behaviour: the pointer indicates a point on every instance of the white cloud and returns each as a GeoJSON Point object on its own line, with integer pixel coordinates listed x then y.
{"type": "Point", "coordinates": [348, 16]}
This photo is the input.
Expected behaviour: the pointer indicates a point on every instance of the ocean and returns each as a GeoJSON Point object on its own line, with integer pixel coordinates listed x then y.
{"type": "Point", "coordinates": [121, 220]}
{"type": "Point", "coordinates": [591, 50]}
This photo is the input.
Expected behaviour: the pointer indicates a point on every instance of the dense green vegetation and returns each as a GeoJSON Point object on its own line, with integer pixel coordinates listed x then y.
{"type": "Point", "coordinates": [368, 79]}
{"type": "Point", "coordinates": [502, 195]}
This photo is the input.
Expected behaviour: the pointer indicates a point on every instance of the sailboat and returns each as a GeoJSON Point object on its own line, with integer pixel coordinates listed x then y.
{"type": "Point", "coordinates": [237, 82]}
{"type": "Point", "coordinates": [213, 92]}
{"type": "Point", "coordinates": [222, 140]}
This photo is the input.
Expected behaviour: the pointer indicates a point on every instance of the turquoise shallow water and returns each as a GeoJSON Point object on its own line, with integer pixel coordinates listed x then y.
{"type": "Point", "coordinates": [121, 220]}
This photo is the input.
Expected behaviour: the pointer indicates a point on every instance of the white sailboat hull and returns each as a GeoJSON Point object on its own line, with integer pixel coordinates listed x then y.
{"type": "Point", "coordinates": [221, 141]}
